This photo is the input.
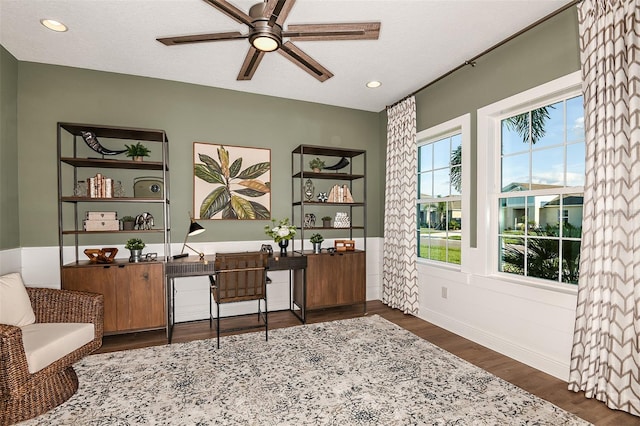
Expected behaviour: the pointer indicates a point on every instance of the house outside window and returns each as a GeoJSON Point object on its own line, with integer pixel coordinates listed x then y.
{"type": "Point", "coordinates": [540, 198]}
{"type": "Point", "coordinates": [439, 200]}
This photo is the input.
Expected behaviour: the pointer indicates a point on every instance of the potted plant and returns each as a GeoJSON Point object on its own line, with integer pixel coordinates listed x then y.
{"type": "Point", "coordinates": [135, 246]}
{"type": "Point", "coordinates": [137, 151]}
{"type": "Point", "coordinates": [281, 233]}
{"type": "Point", "coordinates": [128, 223]}
{"type": "Point", "coordinates": [316, 165]}
{"type": "Point", "coordinates": [326, 222]}
{"type": "Point", "coordinates": [316, 240]}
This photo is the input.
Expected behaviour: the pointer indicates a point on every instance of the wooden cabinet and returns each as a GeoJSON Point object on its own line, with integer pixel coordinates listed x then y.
{"type": "Point", "coordinates": [332, 280]}
{"type": "Point", "coordinates": [134, 293]}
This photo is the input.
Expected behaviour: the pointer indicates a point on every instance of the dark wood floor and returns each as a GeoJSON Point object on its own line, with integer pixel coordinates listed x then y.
{"type": "Point", "coordinates": [523, 376]}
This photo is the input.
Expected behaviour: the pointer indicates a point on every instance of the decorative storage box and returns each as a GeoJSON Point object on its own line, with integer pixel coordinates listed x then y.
{"type": "Point", "coordinates": [102, 225]}
{"type": "Point", "coordinates": [344, 245]}
{"type": "Point", "coordinates": [101, 216]}
{"type": "Point", "coordinates": [341, 220]}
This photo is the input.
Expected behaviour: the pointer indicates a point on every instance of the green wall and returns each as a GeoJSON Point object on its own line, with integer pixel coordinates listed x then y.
{"type": "Point", "coordinates": [188, 113]}
{"type": "Point", "coordinates": [542, 54]}
{"type": "Point", "coordinates": [9, 222]}
{"type": "Point", "coordinates": [46, 94]}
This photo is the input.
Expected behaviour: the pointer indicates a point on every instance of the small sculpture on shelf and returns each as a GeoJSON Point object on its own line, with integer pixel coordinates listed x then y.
{"type": "Point", "coordinates": [309, 190]}
{"type": "Point", "coordinates": [144, 221]}
{"type": "Point", "coordinates": [339, 165]}
{"type": "Point", "coordinates": [309, 220]}
{"type": "Point", "coordinates": [322, 197]}
{"type": "Point", "coordinates": [92, 142]}
{"type": "Point", "coordinates": [103, 255]}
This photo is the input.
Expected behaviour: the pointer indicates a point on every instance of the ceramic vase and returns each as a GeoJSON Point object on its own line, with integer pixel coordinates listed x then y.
{"type": "Point", "coordinates": [283, 247]}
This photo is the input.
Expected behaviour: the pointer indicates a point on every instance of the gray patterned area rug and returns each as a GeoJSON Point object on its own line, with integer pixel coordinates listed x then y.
{"type": "Point", "coordinates": [363, 371]}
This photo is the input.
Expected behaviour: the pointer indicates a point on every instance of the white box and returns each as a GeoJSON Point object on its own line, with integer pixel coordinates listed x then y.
{"type": "Point", "coordinates": [102, 225]}
{"type": "Point", "coordinates": [101, 216]}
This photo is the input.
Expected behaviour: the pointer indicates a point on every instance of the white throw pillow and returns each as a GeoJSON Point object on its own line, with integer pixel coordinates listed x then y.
{"type": "Point", "coordinates": [15, 306]}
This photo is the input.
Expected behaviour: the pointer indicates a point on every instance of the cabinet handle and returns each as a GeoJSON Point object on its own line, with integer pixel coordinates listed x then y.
{"type": "Point", "coordinates": [145, 276]}
{"type": "Point", "coordinates": [121, 266]}
{"type": "Point", "coordinates": [107, 266]}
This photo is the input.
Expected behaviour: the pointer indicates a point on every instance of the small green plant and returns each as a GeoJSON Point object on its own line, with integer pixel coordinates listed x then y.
{"type": "Point", "coordinates": [316, 238]}
{"type": "Point", "coordinates": [326, 218]}
{"type": "Point", "coordinates": [137, 150]}
{"type": "Point", "coordinates": [128, 219]}
{"type": "Point", "coordinates": [316, 163]}
{"type": "Point", "coordinates": [134, 244]}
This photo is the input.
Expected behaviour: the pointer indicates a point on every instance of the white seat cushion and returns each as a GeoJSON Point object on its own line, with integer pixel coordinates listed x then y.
{"type": "Point", "coordinates": [15, 306]}
{"type": "Point", "coordinates": [45, 343]}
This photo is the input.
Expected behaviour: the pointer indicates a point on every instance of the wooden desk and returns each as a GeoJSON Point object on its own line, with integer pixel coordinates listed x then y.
{"type": "Point", "coordinates": [190, 266]}
{"type": "Point", "coordinates": [193, 266]}
{"type": "Point", "coordinates": [293, 262]}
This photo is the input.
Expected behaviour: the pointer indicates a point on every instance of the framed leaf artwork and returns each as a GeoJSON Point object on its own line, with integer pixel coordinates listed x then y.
{"type": "Point", "coordinates": [231, 182]}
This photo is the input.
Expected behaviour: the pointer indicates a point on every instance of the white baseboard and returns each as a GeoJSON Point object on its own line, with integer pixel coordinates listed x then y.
{"type": "Point", "coordinates": [525, 355]}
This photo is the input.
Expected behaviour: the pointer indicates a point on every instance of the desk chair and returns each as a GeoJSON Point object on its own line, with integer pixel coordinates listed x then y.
{"type": "Point", "coordinates": [239, 277]}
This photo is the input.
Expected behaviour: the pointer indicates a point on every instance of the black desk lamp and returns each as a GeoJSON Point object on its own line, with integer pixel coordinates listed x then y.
{"type": "Point", "coordinates": [194, 229]}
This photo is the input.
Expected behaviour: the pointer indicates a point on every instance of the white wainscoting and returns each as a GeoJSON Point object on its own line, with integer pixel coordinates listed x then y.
{"type": "Point", "coordinates": [40, 268]}
{"type": "Point", "coordinates": [10, 261]}
{"type": "Point", "coordinates": [531, 324]}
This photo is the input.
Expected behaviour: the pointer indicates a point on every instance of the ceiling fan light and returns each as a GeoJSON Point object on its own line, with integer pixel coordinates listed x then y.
{"type": "Point", "coordinates": [265, 43]}
{"type": "Point", "coordinates": [373, 84]}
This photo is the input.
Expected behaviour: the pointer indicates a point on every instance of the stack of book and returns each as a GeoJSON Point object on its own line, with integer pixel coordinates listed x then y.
{"type": "Point", "coordinates": [340, 194]}
{"type": "Point", "coordinates": [100, 187]}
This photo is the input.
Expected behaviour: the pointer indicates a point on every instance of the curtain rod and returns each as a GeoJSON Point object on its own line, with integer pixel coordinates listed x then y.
{"type": "Point", "coordinates": [472, 61]}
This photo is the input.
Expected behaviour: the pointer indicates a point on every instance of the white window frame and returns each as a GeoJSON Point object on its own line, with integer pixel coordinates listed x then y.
{"type": "Point", "coordinates": [488, 173]}
{"type": "Point", "coordinates": [462, 125]}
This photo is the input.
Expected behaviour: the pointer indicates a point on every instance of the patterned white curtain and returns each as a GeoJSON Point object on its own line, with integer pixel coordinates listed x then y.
{"type": "Point", "coordinates": [399, 274]}
{"type": "Point", "coordinates": [605, 361]}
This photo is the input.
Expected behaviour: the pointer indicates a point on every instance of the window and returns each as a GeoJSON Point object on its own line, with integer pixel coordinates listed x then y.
{"type": "Point", "coordinates": [439, 201]}
{"type": "Point", "coordinates": [541, 190]}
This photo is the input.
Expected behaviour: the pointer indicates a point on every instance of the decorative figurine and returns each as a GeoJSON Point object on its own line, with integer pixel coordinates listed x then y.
{"type": "Point", "coordinates": [93, 143]}
{"type": "Point", "coordinates": [322, 197]}
{"type": "Point", "coordinates": [309, 189]}
{"type": "Point", "coordinates": [339, 165]}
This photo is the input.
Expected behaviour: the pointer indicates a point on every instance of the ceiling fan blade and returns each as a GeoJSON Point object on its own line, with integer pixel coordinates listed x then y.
{"type": "Point", "coordinates": [278, 10]}
{"type": "Point", "coordinates": [250, 64]}
{"type": "Point", "coordinates": [201, 38]}
{"type": "Point", "coordinates": [231, 11]}
{"type": "Point", "coordinates": [353, 31]}
{"type": "Point", "coordinates": [304, 61]}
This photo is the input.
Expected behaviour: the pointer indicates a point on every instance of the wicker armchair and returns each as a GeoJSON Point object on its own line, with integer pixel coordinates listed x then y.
{"type": "Point", "coordinates": [24, 395]}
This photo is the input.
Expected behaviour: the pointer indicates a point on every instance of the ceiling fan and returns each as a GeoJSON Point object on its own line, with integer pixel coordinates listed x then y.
{"type": "Point", "coordinates": [265, 21]}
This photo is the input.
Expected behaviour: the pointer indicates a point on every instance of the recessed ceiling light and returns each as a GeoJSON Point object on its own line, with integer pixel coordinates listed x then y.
{"type": "Point", "coordinates": [54, 25]}
{"type": "Point", "coordinates": [373, 84]}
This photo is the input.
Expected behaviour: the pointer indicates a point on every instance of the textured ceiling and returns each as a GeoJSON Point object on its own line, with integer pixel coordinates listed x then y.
{"type": "Point", "coordinates": [419, 41]}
